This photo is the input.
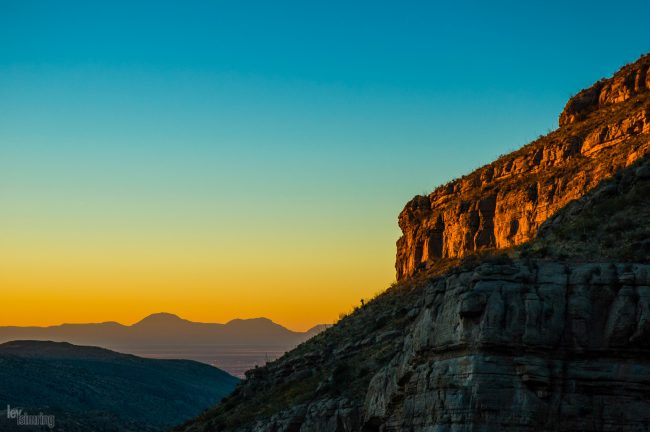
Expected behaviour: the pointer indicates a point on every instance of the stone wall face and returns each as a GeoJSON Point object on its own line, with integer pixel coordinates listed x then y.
{"type": "Point", "coordinates": [523, 347]}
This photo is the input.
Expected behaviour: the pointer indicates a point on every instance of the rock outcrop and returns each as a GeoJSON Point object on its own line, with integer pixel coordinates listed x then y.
{"type": "Point", "coordinates": [503, 204]}
{"type": "Point", "coordinates": [627, 83]}
{"type": "Point", "coordinates": [523, 346]}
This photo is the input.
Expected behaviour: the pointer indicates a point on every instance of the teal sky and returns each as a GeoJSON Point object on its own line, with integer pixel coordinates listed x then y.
{"type": "Point", "coordinates": [278, 134]}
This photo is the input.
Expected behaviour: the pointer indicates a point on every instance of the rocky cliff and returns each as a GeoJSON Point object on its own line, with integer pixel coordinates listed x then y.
{"type": "Point", "coordinates": [549, 335]}
{"type": "Point", "coordinates": [503, 204]}
{"type": "Point", "coordinates": [522, 346]}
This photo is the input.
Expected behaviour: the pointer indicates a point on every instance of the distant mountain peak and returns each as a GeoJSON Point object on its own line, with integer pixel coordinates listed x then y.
{"type": "Point", "coordinates": [161, 318]}
{"type": "Point", "coordinates": [251, 320]}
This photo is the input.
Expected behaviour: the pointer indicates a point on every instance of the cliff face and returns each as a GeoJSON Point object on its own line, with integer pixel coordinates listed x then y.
{"type": "Point", "coordinates": [503, 204]}
{"type": "Point", "coordinates": [521, 346]}
{"type": "Point", "coordinates": [630, 81]}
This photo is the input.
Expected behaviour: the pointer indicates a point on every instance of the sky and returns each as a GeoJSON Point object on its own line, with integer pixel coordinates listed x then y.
{"type": "Point", "coordinates": [239, 159]}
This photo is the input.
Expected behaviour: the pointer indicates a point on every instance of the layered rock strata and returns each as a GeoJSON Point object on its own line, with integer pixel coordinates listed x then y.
{"type": "Point", "coordinates": [536, 346]}
{"type": "Point", "coordinates": [603, 129]}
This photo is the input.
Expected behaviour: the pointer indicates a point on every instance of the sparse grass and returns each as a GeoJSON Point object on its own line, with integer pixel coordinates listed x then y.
{"type": "Point", "coordinates": [613, 225]}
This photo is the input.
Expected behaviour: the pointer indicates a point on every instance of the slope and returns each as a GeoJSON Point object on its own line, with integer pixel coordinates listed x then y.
{"type": "Point", "coordinates": [89, 388]}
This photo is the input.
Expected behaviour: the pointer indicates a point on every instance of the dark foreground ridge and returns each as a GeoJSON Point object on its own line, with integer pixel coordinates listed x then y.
{"type": "Point", "coordinates": [94, 389]}
{"type": "Point", "coordinates": [548, 331]}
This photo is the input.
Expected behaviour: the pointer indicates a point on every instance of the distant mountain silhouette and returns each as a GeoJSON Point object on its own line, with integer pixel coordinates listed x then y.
{"type": "Point", "coordinates": [89, 388]}
{"type": "Point", "coordinates": [236, 346]}
{"type": "Point", "coordinates": [161, 319]}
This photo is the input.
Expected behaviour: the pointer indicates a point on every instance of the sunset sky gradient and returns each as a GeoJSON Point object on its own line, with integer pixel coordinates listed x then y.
{"type": "Point", "coordinates": [240, 159]}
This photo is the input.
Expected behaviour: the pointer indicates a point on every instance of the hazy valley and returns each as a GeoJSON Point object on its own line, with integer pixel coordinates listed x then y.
{"type": "Point", "coordinates": [235, 347]}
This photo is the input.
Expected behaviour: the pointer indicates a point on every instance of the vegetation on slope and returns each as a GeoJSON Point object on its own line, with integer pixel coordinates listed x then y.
{"type": "Point", "coordinates": [93, 389]}
{"type": "Point", "coordinates": [610, 223]}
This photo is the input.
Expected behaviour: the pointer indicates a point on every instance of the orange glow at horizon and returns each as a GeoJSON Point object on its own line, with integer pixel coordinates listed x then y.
{"type": "Point", "coordinates": [82, 282]}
